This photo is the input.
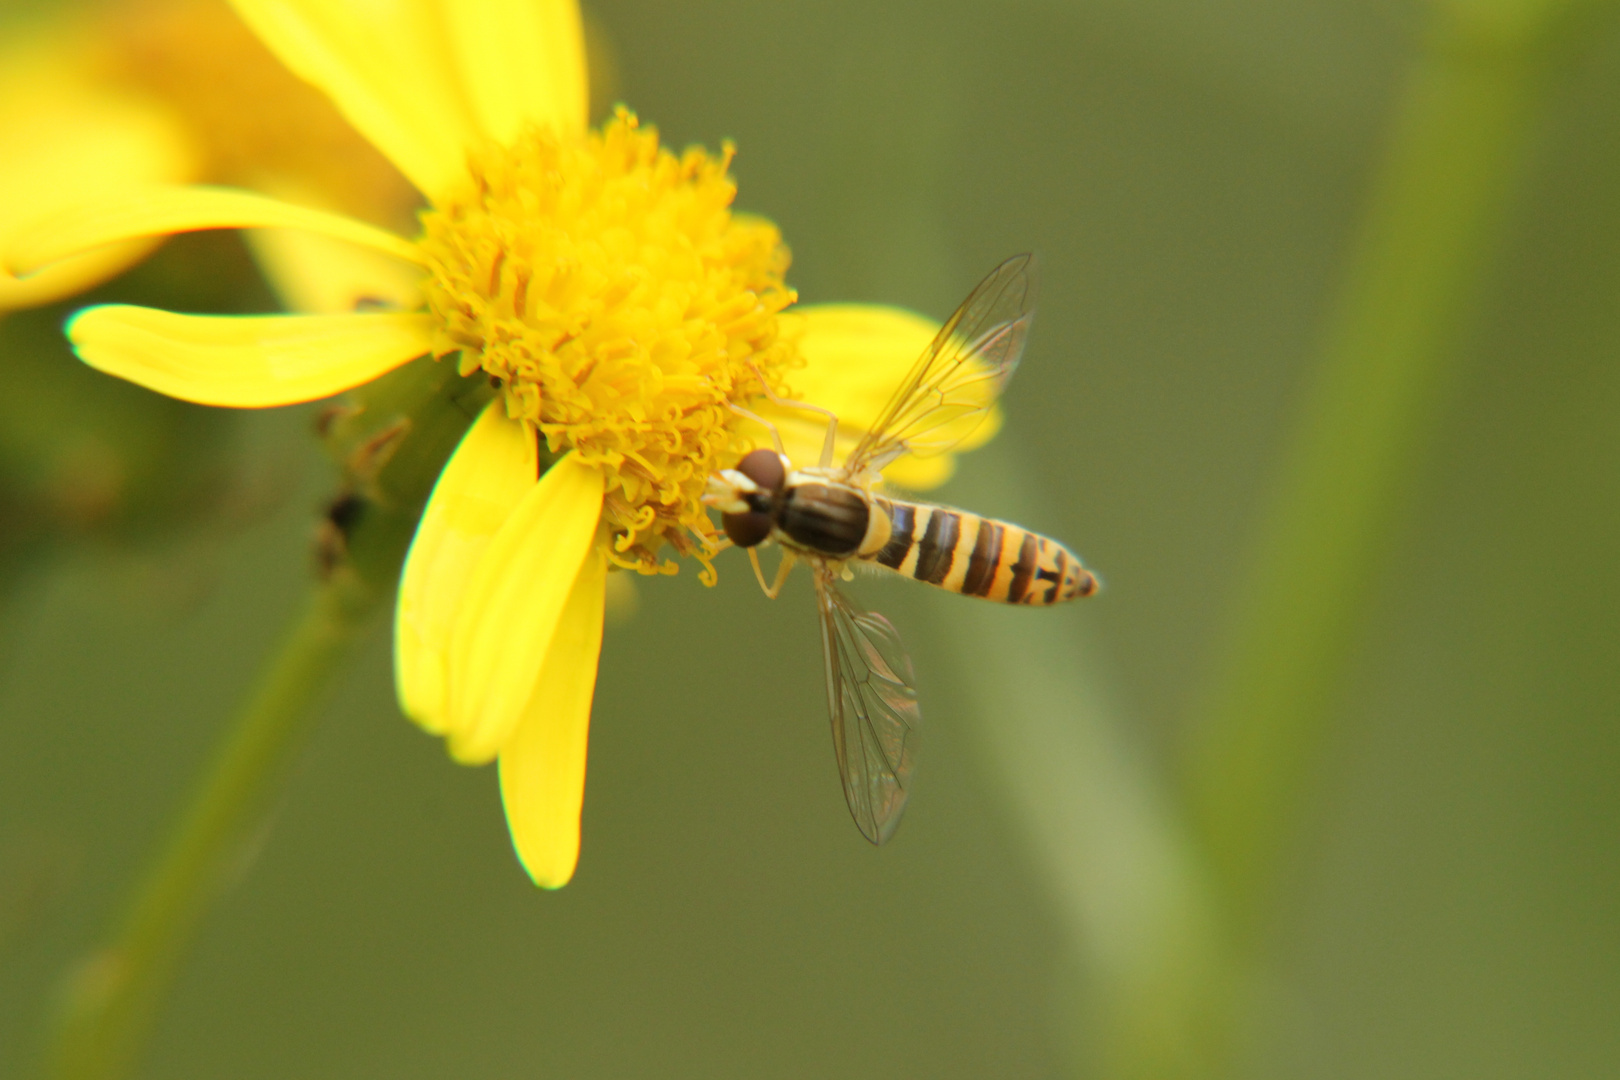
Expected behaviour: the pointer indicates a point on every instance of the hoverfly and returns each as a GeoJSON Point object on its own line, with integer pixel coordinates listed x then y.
{"type": "Point", "coordinates": [832, 517]}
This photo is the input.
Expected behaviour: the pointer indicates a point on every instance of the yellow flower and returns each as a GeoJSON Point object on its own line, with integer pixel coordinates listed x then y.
{"type": "Point", "coordinates": [111, 94]}
{"type": "Point", "coordinates": [600, 281]}
{"type": "Point", "coordinates": [66, 141]}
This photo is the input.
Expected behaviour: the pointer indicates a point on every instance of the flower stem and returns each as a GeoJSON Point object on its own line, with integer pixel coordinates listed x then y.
{"type": "Point", "coordinates": [1116, 860]}
{"type": "Point", "coordinates": [118, 991]}
{"type": "Point", "coordinates": [1459, 144]}
{"type": "Point", "coordinates": [391, 438]}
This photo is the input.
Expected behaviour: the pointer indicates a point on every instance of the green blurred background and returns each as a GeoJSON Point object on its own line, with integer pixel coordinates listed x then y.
{"type": "Point", "coordinates": [1447, 899]}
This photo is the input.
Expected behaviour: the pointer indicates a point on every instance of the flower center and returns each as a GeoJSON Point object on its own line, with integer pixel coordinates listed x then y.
{"type": "Point", "coordinates": [604, 284]}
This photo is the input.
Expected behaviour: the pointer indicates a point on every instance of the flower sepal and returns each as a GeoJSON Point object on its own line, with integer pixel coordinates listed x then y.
{"type": "Point", "coordinates": [390, 439]}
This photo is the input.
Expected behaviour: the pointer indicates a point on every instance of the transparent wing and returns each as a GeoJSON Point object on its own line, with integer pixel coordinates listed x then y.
{"type": "Point", "coordinates": [873, 704]}
{"type": "Point", "coordinates": [960, 375]}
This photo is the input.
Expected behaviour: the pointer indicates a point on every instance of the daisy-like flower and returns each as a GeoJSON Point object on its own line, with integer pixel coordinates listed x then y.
{"type": "Point", "coordinates": [599, 281]}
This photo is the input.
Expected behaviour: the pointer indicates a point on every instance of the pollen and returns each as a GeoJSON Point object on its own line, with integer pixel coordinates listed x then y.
{"type": "Point", "coordinates": [606, 287]}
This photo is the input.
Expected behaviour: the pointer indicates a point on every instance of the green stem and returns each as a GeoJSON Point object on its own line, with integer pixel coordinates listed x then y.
{"type": "Point", "coordinates": [117, 994]}
{"type": "Point", "coordinates": [1098, 819]}
{"type": "Point", "coordinates": [1459, 146]}
{"type": "Point", "coordinates": [391, 439]}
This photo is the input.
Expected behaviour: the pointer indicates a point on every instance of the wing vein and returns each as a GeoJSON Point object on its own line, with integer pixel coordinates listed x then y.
{"type": "Point", "coordinates": [952, 386]}
{"type": "Point", "coordinates": [872, 703]}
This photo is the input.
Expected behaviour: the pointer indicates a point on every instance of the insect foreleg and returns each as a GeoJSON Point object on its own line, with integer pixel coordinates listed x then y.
{"type": "Point", "coordinates": [832, 418]}
{"type": "Point", "coordinates": [782, 568]}
{"type": "Point", "coordinates": [774, 589]}
{"type": "Point", "coordinates": [759, 572]}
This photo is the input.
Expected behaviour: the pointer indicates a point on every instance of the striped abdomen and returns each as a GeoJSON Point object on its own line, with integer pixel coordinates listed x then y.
{"type": "Point", "coordinates": [978, 556]}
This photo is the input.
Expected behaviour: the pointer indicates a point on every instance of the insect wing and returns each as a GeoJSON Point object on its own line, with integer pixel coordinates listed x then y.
{"type": "Point", "coordinates": [960, 375]}
{"type": "Point", "coordinates": [873, 705]}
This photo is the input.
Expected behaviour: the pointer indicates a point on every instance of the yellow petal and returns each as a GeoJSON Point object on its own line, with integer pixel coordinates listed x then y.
{"type": "Point", "coordinates": [488, 475]}
{"type": "Point", "coordinates": [521, 62]}
{"type": "Point", "coordinates": [317, 275]}
{"type": "Point", "coordinates": [543, 763]}
{"type": "Point", "coordinates": [137, 213]}
{"type": "Point", "coordinates": [857, 355]}
{"type": "Point", "coordinates": [67, 141]}
{"type": "Point", "coordinates": [511, 606]}
{"type": "Point", "coordinates": [386, 66]}
{"type": "Point", "coordinates": [247, 361]}
{"type": "Point", "coordinates": [923, 474]}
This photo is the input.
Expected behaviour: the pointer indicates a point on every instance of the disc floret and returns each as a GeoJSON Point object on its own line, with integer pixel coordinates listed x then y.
{"type": "Point", "coordinates": [608, 290]}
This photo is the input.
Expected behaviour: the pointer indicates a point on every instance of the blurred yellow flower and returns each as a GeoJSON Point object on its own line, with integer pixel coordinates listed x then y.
{"type": "Point", "coordinates": [603, 285]}
{"type": "Point", "coordinates": [65, 141]}
{"type": "Point", "coordinates": [119, 93]}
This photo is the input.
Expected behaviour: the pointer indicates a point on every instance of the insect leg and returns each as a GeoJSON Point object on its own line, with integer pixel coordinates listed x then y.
{"type": "Point", "coordinates": [759, 572]}
{"type": "Point", "coordinates": [832, 417]}
{"type": "Point", "coordinates": [776, 436]}
{"type": "Point", "coordinates": [774, 589]}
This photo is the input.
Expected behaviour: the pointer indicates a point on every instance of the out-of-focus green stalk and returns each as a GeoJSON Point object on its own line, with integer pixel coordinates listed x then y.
{"type": "Point", "coordinates": [1100, 827]}
{"type": "Point", "coordinates": [117, 993]}
{"type": "Point", "coordinates": [1100, 822]}
{"type": "Point", "coordinates": [391, 441]}
{"type": "Point", "coordinates": [1458, 146]}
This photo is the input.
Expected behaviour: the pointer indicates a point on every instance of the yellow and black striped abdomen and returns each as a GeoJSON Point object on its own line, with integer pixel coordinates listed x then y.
{"type": "Point", "coordinates": [978, 556]}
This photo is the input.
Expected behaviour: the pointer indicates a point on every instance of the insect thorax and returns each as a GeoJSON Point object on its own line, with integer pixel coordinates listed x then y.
{"type": "Point", "coordinates": [824, 518]}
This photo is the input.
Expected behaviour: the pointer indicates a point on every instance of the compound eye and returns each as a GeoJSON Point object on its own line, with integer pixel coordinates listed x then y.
{"type": "Point", "coordinates": [764, 468]}
{"type": "Point", "coordinates": [747, 530]}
